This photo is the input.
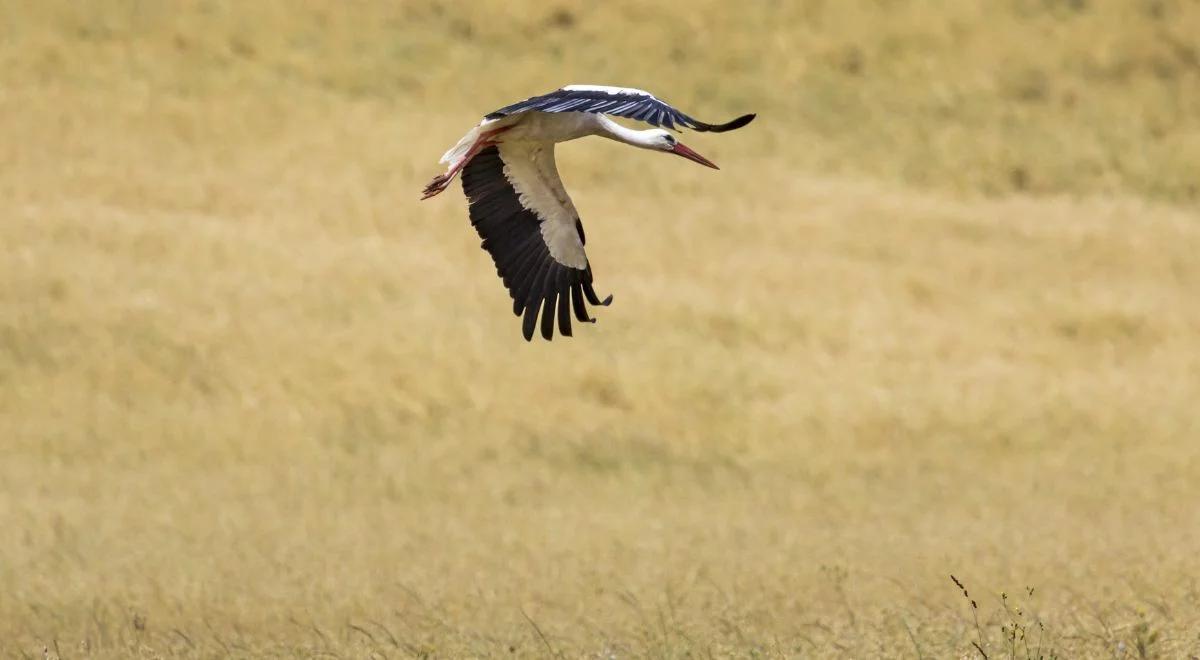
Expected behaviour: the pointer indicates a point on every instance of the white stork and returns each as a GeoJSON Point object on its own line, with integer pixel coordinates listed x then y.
{"type": "Point", "coordinates": [518, 204]}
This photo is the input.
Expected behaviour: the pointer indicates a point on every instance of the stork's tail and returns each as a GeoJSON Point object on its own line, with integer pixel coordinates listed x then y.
{"type": "Point", "coordinates": [460, 154]}
{"type": "Point", "coordinates": [464, 145]}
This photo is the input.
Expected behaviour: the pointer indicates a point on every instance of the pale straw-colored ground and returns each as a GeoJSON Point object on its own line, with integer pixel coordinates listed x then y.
{"type": "Point", "coordinates": [937, 314]}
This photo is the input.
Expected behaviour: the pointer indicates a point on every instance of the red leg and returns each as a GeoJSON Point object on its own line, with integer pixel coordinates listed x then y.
{"type": "Point", "coordinates": [442, 181]}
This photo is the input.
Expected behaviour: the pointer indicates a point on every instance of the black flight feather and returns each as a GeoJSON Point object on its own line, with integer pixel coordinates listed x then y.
{"type": "Point", "coordinates": [540, 285]}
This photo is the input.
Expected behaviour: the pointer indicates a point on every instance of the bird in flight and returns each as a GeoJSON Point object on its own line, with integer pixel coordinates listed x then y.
{"type": "Point", "coordinates": [518, 204]}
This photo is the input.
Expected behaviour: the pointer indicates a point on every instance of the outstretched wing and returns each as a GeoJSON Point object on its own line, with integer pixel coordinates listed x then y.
{"type": "Point", "coordinates": [529, 225]}
{"type": "Point", "coordinates": [618, 102]}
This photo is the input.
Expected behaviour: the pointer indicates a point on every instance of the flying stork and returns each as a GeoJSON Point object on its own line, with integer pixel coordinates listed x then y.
{"type": "Point", "coordinates": [518, 204]}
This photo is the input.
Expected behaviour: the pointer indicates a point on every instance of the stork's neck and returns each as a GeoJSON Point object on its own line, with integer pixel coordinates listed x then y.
{"type": "Point", "coordinates": [614, 131]}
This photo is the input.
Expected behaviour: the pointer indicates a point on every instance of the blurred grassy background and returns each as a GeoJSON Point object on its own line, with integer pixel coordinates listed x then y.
{"type": "Point", "coordinates": [936, 314]}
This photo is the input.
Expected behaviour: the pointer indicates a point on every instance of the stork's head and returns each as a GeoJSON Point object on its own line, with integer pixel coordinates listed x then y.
{"type": "Point", "coordinates": [663, 140]}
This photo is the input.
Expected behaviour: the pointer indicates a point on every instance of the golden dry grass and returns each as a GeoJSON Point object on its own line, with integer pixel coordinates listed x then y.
{"type": "Point", "coordinates": [937, 314]}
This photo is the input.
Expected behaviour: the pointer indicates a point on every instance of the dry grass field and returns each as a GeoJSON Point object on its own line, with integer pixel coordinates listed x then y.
{"type": "Point", "coordinates": [938, 314]}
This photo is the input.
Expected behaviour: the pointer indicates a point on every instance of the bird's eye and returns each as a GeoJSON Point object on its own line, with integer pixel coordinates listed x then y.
{"type": "Point", "coordinates": [670, 139]}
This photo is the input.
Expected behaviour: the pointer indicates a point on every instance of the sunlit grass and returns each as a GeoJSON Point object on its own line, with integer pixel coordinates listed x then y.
{"type": "Point", "coordinates": [936, 314]}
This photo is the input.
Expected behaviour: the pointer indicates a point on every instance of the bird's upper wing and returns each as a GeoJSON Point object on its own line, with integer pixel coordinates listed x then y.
{"type": "Point", "coordinates": [616, 101]}
{"type": "Point", "coordinates": [529, 225]}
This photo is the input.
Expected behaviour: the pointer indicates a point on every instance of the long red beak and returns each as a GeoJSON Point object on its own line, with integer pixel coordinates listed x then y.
{"type": "Point", "coordinates": [687, 153]}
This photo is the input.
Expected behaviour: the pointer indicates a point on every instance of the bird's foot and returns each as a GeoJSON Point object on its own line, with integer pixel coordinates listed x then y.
{"type": "Point", "coordinates": [437, 185]}
{"type": "Point", "coordinates": [442, 181]}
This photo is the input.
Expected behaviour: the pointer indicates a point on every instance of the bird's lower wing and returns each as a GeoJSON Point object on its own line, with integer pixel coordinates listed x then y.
{"type": "Point", "coordinates": [529, 226]}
